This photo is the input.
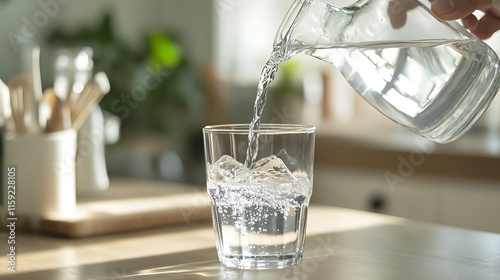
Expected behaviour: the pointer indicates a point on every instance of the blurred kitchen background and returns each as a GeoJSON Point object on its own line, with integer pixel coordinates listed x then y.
{"type": "Point", "coordinates": [177, 65]}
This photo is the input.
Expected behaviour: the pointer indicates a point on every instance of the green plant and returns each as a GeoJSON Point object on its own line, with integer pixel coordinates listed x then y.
{"type": "Point", "coordinates": [175, 89]}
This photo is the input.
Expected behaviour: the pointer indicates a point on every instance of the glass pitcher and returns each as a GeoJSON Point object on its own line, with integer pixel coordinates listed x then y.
{"type": "Point", "coordinates": [431, 76]}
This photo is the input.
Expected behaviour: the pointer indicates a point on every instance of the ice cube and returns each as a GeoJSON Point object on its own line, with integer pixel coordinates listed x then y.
{"type": "Point", "coordinates": [264, 161]}
{"type": "Point", "coordinates": [273, 169]}
{"type": "Point", "coordinates": [291, 162]}
{"type": "Point", "coordinates": [227, 169]}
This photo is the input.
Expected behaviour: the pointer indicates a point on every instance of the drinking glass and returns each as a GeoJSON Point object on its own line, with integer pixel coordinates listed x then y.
{"type": "Point", "coordinates": [259, 213]}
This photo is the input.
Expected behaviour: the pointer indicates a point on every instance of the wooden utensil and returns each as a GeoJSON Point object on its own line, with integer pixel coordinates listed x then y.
{"type": "Point", "coordinates": [92, 93]}
{"type": "Point", "coordinates": [21, 113]}
{"type": "Point", "coordinates": [5, 110]}
{"type": "Point", "coordinates": [35, 96]}
{"type": "Point", "coordinates": [26, 97]}
{"type": "Point", "coordinates": [60, 118]}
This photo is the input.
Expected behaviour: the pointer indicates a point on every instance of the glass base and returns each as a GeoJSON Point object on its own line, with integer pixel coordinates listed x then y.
{"type": "Point", "coordinates": [261, 262]}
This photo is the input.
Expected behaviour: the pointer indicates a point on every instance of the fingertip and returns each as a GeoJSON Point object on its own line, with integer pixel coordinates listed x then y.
{"type": "Point", "coordinates": [487, 26]}
{"type": "Point", "coordinates": [470, 22]}
{"type": "Point", "coordinates": [442, 16]}
{"type": "Point", "coordinates": [444, 7]}
{"type": "Point", "coordinates": [399, 21]}
{"type": "Point", "coordinates": [457, 9]}
{"type": "Point", "coordinates": [483, 35]}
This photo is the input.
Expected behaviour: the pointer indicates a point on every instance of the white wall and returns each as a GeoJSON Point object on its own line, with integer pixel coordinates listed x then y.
{"type": "Point", "coordinates": [191, 18]}
{"type": "Point", "coordinates": [245, 36]}
{"type": "Point", "coordinates": [11, 18]}
{"type": "Point", "coordinates": [195, 18]}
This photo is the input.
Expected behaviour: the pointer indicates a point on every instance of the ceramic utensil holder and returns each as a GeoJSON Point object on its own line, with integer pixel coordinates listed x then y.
{"type": "Point", "coordinates": [44, 174]}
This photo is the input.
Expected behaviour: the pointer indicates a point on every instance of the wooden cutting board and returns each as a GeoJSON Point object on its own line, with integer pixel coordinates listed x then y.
{"type": "Point", "coordinates": [131, 204]}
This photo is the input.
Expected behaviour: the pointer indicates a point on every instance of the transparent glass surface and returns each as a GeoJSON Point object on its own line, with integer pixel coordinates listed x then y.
{"type": "Point", "coordinates": [259, 213]}
{"type": "Point", "coordinates": [431, 76]}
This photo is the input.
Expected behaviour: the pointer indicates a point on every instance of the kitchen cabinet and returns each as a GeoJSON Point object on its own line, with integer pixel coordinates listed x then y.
{"type": "Point", "coordinates": [456, 184]}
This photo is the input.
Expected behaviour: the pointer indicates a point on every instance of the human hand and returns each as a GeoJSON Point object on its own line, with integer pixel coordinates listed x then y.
{"type": "Point", "coordinates": [397, 11]}
{"type": "Point", "coordinates": [483, 27]}
{"type": "Point", "coordinates": [462, 9]}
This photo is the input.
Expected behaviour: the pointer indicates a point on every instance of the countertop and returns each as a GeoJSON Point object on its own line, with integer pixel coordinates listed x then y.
{"type": "Point", "coordinates": [340, 244]}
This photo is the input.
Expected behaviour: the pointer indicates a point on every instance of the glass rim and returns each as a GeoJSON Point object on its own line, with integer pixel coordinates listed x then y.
{"type": "Point", "coordinates": [265, 128]}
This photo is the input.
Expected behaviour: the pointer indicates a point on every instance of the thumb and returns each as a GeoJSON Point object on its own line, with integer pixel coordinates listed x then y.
{"type": "Point", "coordinates": [457, 9]}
